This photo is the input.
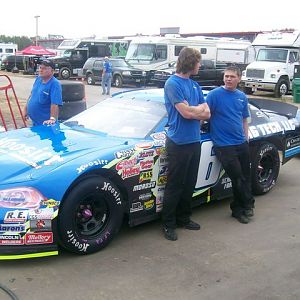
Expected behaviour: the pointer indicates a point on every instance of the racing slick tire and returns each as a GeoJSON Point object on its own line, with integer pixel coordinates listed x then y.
{"type": "Point", "coordinates": [265, 165]}
{"type": "Point", "coordinates": [90, 216]}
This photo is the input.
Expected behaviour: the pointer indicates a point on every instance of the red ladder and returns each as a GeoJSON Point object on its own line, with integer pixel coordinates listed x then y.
{"type": "Point", "coordinates": [10, 103]}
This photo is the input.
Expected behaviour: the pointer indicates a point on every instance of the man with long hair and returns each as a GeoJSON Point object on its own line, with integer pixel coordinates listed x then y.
{"type": "Point", "coordinates": [186, 107]}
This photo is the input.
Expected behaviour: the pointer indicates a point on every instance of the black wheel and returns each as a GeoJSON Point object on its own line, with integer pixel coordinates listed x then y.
{"type": "Point", "coordinates": [90, 216]}
{"type": "Point", "coordinates": [265, 168]}
{"type": "Point", "coordinates": [90, 80]}
{"type": "Point", "coordinates": [118, 81]}
{"type": "Point", "coordinates": [248, 90]}
{"type": "Point", "coordinates": [281, 88]}
{"type": "Point", "coordinates": [64, 73]}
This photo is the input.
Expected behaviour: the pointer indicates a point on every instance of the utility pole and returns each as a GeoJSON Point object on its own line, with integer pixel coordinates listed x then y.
{"type": "Point", "coordinates": [36, 29]}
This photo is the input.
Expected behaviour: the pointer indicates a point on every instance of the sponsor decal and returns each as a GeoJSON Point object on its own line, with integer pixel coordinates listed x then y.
{"type": "Point", "coordinates": [293, 142]}
{"type": "Point", "coordinates": [270, 128]}
{"type": "Point", "coordinates": [51, 203]}
{"type": "Point", "coordinates": [27, 154]}
{"type": "Point", "coordinates": [97, 162]}
{"type": "Point", "coordinates": [43, 214]}
{"type": "Point", "coordinates": [144, 154]}
{"type": "Point", "coordinates": [145, 145]}
{"type": "Point", "coordinates": [40, 225]}
{"type": "Point", "coordinates": [12, 227]}
{"type": "Point", "coordinates": [158, 143]}
{"type": "Point", "coordinates": [146, 164]}
{"type": "Point", "coordinates": [163, 160]}
{"type": "Point", "coordinates": [130, 172]}
{"type": "Point", "coordinates": [163, 170]}
{"type": "Point", "coordinates": [145, 197]}
{"type": "Point", "coordinates": [144, 186]}
{"type": "Point", "coordinates": [124, 153]}
{"type": "Point", "coordinates": [160, 151]}
{"type": "Point", "coordinates": [107, 187]}
{"type": "Point", "coordinates": [82, 247]}
{"type": "Point", "coordinates": [10, 237]}
{"type": "Point", "coordinates": [159, 201]}
{"type": "Point", "coordinates": [16, 216]}
{"type": "Point", "coordinates": [226, 183]}
{"type": "Point", "coordinates": [162, 180]}
{"type": "Point", "coordinates": [137, 206]}
{"type": "Point", "coordinates": [149, 204]}
{"type": "Point", "coordinates": [144, 176]}
{"type": "Point", "coordinates": [39, 238]}
{"type": "Point", "coordinates": [11, 242]}
{"type": "Point", "coordinates": [128, 163]}
{"type": "Point", "coordinates": [158, 136]}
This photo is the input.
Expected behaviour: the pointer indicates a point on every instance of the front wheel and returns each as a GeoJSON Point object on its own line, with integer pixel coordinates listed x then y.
{"type": "Point", "coordinates": [281, 88]}
{"type": "Point", "coordinates": [265, 168]}
{"type": "Point", "coordinates": [118, 81]}
{"type": "Point", "coordinates": [90, 216]}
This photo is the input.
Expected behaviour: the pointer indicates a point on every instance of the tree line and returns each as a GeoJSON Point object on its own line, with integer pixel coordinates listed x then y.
{"type": "Point", "coordinates": [21, 41]}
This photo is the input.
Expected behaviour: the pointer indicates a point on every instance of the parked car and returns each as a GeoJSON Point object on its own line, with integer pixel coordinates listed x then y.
{"type": "Point", "coordinates": [71, 184]}
{"type": "Point", "coordinates": [122, 72]}
{"type": "Point", "coordinates": [210, 74]}
{"type": "Point", "coordinates": [10, 61]}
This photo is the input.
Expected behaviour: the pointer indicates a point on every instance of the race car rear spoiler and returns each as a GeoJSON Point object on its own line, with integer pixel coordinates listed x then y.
{"type": "Point", "coordinates": [281, 108]}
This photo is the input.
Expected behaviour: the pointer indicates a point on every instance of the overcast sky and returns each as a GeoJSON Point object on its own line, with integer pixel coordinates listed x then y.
{"type": "Point", "coordinates": [115, 17]}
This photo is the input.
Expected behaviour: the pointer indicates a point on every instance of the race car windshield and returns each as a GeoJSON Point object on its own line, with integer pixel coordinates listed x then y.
{"type": "Point", "coordinates": [130, 118]}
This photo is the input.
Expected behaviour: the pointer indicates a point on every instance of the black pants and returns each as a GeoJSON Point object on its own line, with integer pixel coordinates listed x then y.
{"type": "Point", "coordinates": [183, 163]}
{"type": "Point", "coordinates": [236, 162]}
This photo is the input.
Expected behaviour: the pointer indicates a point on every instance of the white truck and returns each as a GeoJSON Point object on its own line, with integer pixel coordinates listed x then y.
{"type": "Point", "coordinates": [152, 53]}
{"type": "Point", "coordinates": [273, 68]}
{"type": "Point", "coordinates": [7, 49]}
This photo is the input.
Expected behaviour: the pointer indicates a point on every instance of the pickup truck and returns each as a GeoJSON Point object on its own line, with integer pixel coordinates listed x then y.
{"type": "Point", "coordinates": [209, 75]}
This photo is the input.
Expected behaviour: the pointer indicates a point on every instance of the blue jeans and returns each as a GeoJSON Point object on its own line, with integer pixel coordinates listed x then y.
{"type": "Point", "coordinates": [106, 80]}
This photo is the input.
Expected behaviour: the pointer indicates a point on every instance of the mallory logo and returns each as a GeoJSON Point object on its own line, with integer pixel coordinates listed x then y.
{"type": "Point", "coordinates": [39, 238]}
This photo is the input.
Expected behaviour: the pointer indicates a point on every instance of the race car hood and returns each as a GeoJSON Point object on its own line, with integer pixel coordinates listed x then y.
{"type": "Point", "coordinates": [29, 153]}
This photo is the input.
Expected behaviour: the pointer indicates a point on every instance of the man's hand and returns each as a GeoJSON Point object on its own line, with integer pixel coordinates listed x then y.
{"type": "Point", "coordinates": [51, 121]}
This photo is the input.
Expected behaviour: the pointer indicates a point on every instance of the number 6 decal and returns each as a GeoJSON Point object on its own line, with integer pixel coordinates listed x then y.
{"type": "Point", "coordinates": [209, 167]}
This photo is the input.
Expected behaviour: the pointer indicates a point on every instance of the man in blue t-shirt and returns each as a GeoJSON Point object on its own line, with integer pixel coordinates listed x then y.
{"type": "Point", "coordinates": [106, 76]}
{"type": "Point", "coordinates": [46, 95]}
{"type": "Point", "coordinates": [186, 107]}
{"type": "Point", "coordinates": [229, 133]}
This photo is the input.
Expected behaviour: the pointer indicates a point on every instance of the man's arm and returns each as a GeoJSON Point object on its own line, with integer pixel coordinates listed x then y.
{"type": "Point", "coordinates": [53, 115]}
{"type": "Point", "coordinates": [199, 112]}
{"type": "Point", "coordinates": [246, 128]}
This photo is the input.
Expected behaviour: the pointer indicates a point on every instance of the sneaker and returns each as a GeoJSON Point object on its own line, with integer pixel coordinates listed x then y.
{"type": "Point", "coordinates": [190, 225]}
{"type": "Point", "coordinates": [107, 94]}
{"type": "Point", "coordinates": [249, 212]}
{"type": "Point", "coordinates": [170, 233]}
{"type": "Point", "coordinates": [241, 218]}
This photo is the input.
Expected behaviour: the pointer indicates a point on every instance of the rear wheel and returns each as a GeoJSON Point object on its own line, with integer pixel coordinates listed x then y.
{"type": "Point", "coordinates": [64, 73]}
{"type": "Point", "coordinates": [90, 80]}
{"type": "Point", "coordinates": [90, 216]}
{"type": "Point", "coordinates": [265, 168]}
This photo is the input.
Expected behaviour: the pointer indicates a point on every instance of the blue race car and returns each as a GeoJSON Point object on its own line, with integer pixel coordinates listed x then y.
{"type": "Point", "coordinates": [71, 184]}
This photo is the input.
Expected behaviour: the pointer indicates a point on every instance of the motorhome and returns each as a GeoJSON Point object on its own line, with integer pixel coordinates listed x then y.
{"type": "Point", "coordinates": [273, 68]}
{"type": "Point", "coordinates": [76, 53]}
{"type": "Point", "coordinates": [155, 53]}
{"type": "Point", "coordinates": [7, 49]}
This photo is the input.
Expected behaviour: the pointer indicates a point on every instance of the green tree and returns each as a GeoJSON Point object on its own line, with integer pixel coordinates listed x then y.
{"type": "Point", "coordinates": [21, 41]}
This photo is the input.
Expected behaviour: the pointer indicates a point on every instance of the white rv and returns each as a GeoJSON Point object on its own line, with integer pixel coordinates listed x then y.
{"type": "Point", "coordinates": [154, 53]}
{"type": "Point", "coordinates": [273, 68]}
{"type": "Point", "coordinates": [7, 49]}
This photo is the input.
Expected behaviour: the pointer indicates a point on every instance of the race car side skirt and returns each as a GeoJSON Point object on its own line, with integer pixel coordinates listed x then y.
{"type": "Point", "coordinates": [32, 255]}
